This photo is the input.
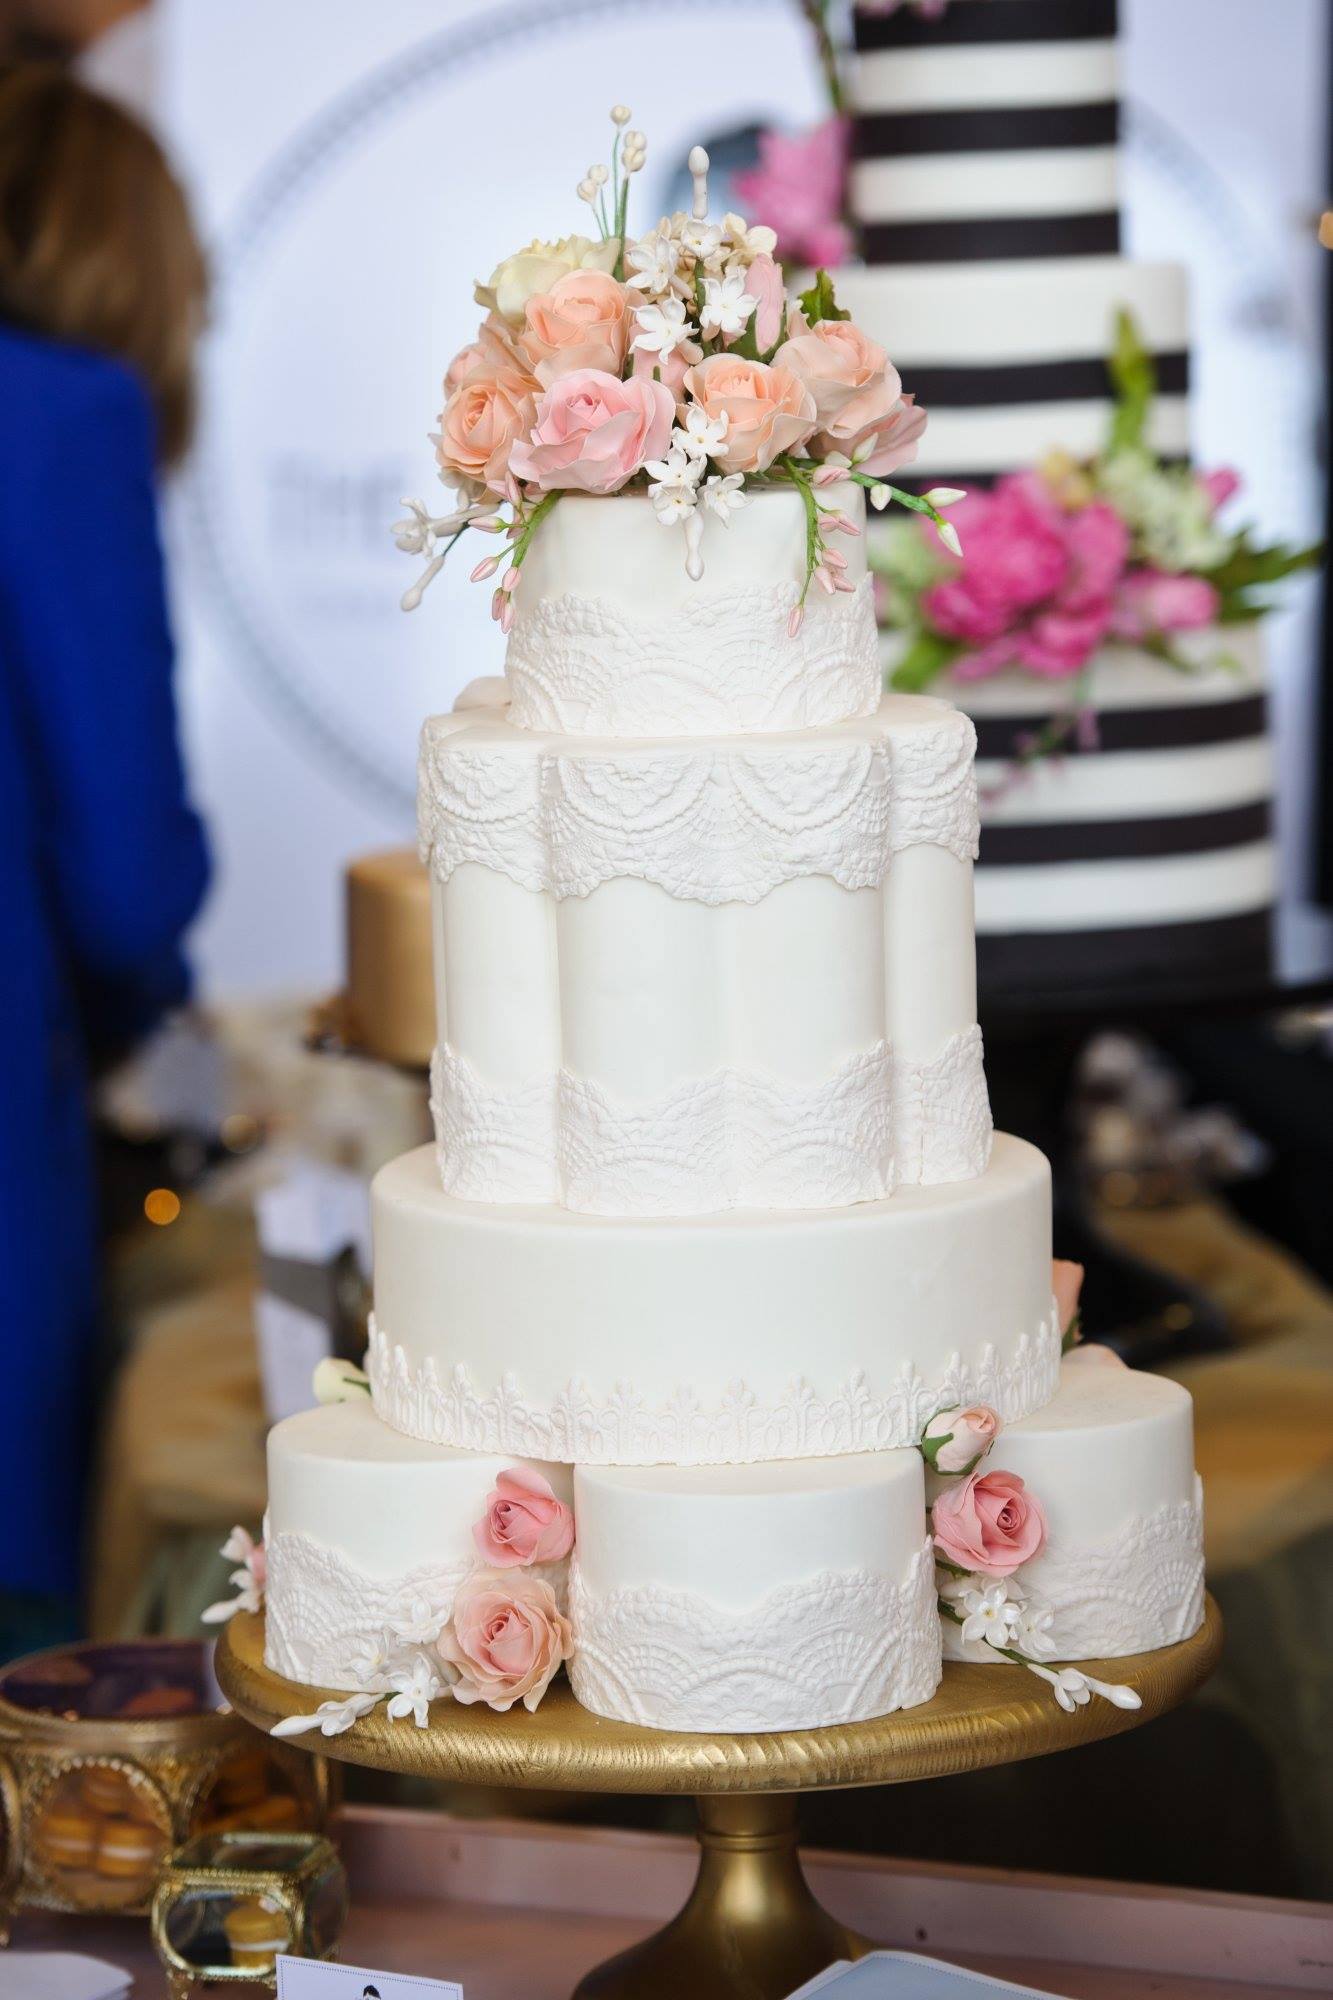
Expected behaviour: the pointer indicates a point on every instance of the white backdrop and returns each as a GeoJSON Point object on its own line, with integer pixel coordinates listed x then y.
{"type": "Point", "coordinates": [355, 166]}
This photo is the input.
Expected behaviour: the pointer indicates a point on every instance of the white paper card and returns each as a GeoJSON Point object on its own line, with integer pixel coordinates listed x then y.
{"type": "Point", "coordinates": [60, 1975]}
{"type": "Point", "coordinates": [319, 1979]}
{"type": "Point", "coordinates": [906, 1975]}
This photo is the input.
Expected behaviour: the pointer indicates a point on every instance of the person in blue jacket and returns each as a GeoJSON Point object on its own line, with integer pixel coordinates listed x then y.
{"type": "Point", "coordinates": [102, 859]}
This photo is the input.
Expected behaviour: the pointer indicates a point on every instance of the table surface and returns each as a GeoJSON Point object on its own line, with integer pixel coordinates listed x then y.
{"type": "Point", "coordinates": [519, 1911]}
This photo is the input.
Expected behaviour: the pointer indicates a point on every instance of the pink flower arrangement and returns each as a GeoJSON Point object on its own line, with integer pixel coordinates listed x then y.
{"type": "Point", "coordinates": [797, 190]}
{"type": "Point", "coordinates": [506, 1640]}
{"type": "Point", "coordinates": [524, 1522]}
{"type": "Point", "coordinates": [989, 1523]}
{"type": "Point", "coordinates": [673, 366]}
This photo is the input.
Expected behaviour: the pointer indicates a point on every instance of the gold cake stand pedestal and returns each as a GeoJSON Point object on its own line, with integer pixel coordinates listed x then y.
{"type": "Point", "coordinates": [751, 1929]}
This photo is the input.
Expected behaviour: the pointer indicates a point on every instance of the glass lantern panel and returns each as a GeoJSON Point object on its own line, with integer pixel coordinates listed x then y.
{"type": "Point", "coordinates": [217, 1930]}
{"type": "Point", "coordinates": [100, 1836]}
{"type": "Point", "coordinates": [326, 1911]}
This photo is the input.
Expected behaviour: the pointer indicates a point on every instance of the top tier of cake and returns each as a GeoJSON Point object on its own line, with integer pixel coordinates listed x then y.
{"type": "Point", "coordinates": [613, 638]}
{"type": "Point", "coordinates": [986, 188]}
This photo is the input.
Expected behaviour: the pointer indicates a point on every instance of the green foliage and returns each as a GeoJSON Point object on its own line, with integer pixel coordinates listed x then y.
{"type": "Point", "coordinates": [1134, 379]}
{"type": "Point", "coordinates": [926, 658]}
{"type": "Point", "coordinates": [820, 302]}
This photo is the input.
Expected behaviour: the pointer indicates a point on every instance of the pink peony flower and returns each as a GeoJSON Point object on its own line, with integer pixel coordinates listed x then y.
{"type": "Point", "coordinates": [524, 1522]}
{"type": "Point", "coordinates": [1036, 587]}
{"type": "Point", "coordinates": [507, 1637]}
{"type": "Point", "coordinates": [764, 281]}
{"type": "Point", "coordinates": [797, 191]}
{"type": "Point", "coordinates": [482, 422]}
{"type": "Point", "coordinates": [582, 322]}
{"type": "Point", "coordinates": [1066, 1283]}
{"type": "Point", "coordinates": [954, 1440]}
{"type": "Point", "coordinates": [989, 1523]}
{"type": "Point", "coordinates": [592, 432]}
{"type": "Point", "coordinates": [1153, 600]}
{"type": "Point", "coordinates": [768, 410]}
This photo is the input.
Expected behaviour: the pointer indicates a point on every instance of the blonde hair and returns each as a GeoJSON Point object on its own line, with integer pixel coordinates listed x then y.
{"type": "Point", "coordinates": [96, 242]}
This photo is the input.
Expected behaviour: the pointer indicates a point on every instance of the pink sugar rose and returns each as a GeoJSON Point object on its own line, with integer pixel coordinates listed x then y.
{"type": "Point", "coordinates": [672, 370]}
{"type": "Point", "coordinates": [857, 395]}
{"type": "Point", "coordinates": [768, 410]}
{"type": "Point", "coordinates": [1149, 601]}
{"type": "Point", "coordinates": [507, 1637]}
{"type": "Point", "coordinates": [796, 190]}
{"type": "Point", "coordinates": [482, 423]}
{"type": "Point", "coordinates": [954, 1440]}
{"type": "Point", "coordinates": [524, 1522]}
{"type": "Point", "coordinates": [582, 322]}
{"type": "Point", "coordinates": [988, 1523]}
{"type": "Point", "coordinates": [592, 432]}
{"type": "Point", "coordinates": [1066, 1284]}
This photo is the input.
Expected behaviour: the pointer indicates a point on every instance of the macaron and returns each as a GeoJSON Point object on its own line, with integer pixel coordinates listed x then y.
{"type": "Point", "coordinates": [128, 1851]}
{"type": "Point", "coordinates": [67, 1838]}
{"type": "Point", "coordinates": [257, 1930]}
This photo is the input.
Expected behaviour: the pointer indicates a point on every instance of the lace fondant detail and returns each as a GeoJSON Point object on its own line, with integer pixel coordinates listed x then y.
{"type": "Point", "coordinates": [1140, 1590]}
{"type": "Point", "coordinates": [722, 664]}
{"type": "Point", "coordinates": [733, 1139]}
{"type": "Point", "coordinates": [840, 1647]}
{"type": "Point", "coordinates": [618, 1426]}
{"type": "Point", "coordinates": [324, 1618]}
{"type": "Point", "coordinates": [942, 1126]}
{"type": "Point", "coordinates": [710, 823]}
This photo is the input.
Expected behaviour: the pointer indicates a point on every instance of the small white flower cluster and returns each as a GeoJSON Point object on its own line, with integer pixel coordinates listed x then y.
{"type": "Point", "coordinates": [400, 1664]}
{"type": "Point", "coordinates": [994, 1611]}
{"type": "Point", "coordinates": [420, 533]}
{"type": "Point", "coordinates": [680, 483]}
{"type": "Point", "coordinates": [247, 1580]}
{"type": "Point", "coordinates": [1169, 511]}
{"type": "Point", "coordinates": [682, 256]}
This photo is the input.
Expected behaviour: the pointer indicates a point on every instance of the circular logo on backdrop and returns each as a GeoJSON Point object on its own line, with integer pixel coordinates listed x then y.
{"type": "Point", "coordinates": [345, 285]}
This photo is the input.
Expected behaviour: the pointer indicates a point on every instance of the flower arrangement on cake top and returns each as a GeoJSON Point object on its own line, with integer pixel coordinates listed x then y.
{"type": "Point", "coordinates": [674, 366]}
{"type": "Point", "coordinates": [1077, 554]}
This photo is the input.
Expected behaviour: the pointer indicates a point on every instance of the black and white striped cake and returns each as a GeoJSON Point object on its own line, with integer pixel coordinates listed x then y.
{"type": "Point", "coordinates": [986, 190]}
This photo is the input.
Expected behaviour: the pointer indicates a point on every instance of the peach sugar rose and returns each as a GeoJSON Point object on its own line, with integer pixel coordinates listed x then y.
{"type": "Point", "coordinates": [506, 1639]}
{"type": "Point", "coordinates": [768, 409]}
{"type": "Point", "coordinates": [582, 322]}
{"type": "Point", "coordinates": [483, 420]}
{"type": "Point", "coordinates": [857, 392]}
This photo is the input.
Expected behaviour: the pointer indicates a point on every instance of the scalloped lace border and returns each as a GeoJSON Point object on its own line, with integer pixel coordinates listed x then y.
{"type": "Point", "coordinates": [732, 1139]}
{"type": "Point", "coordinates": [619, 1426]}
{"type": "Point", "coordinates": [842, 1646]}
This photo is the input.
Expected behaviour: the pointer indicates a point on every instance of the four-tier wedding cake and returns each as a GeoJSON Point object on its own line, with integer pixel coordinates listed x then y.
{"type": "Point", "coordinates": [717, 1343]}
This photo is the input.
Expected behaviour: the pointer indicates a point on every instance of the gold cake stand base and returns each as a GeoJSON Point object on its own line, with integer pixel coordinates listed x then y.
{"type": "Point", "coordinates": [751, 1929]}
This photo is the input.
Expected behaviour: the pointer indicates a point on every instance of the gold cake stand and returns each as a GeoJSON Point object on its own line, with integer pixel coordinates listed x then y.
{"type": "Point", "coordinates": [751, 1929]}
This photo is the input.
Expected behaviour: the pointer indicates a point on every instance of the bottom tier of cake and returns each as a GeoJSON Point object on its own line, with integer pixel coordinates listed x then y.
{"type": "Point", "coordinates": [788, 1594]}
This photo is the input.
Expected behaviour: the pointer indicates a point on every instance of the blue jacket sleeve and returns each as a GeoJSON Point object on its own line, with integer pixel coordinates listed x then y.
{"type": "Point", "coordinates": [84, 601]}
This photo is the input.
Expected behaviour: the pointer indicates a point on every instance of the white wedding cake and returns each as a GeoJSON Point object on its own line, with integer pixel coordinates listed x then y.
{"type": "Point", "coordinates": [716, 1276]}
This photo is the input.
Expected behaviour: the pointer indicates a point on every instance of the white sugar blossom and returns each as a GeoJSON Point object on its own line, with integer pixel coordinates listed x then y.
{"type": "Point", "coordinates": [727, 306]}
{"type": "Point", "coordinates": [654, 264]}
{"type": "Point", "coordinates": [1072, 1689]}
{"type": "Point", "coordinates": [701, 436]}
{"type": "Point", "coordinates": [331, 1718]}
{"type": "Point", "coordinates": [990, 1614]}
{"type": "Point", "coordinates": [371, 1661]}
{"type": "Point", "coordinates": [337, 1381]}
{"type": "Point", "coordinates": [1032, 1630]}
{"type": "Point", "coordinates": [663, 327]}
{"type": "Point", "coordinates": [723, 495]}
{"type": "Point", "coordinates": [420, 1624]}
{"type": "Point", "coordinates": [759, 241]}
{"type": "Point", "coordinates": [673, 483]}
{"type": "Point", "coordinates": [416, 1687]}
{"type": "Point", "coordinates": [703, 241]}
{"type": "Point", "coordinates": [247, 1581]}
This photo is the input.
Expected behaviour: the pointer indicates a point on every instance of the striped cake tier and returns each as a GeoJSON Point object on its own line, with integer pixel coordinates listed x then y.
{"type": "Point", "coordinates": [985, 186]}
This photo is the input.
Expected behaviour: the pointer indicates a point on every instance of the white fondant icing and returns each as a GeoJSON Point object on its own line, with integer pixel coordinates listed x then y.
{"type": "Point", "coordinates": [1106, 895]}
{"type": "Point", "coordinates": [745, 1335]}
{"type": "Point", "coordinates": [1073, 180]}
{"type": "Point", "coordinates": [1015, 309]}
{"type": "Point", "coordinates": [613, 638]}
{"type": "Point", "coordinates": [719, 821]}
{"type": "Point", "coordinates": [1011, 437]}
{"type": "Point", "coordinates": [1131, 784]}
{"type": "Point", "coordinates": [842, 1646]}
{"type": "Point", "coordinates": [996, 75]}
{"type": "Point", "coordinates": [1224, 663]}
{"type": "Point", "coordinates": [730, 1139]}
